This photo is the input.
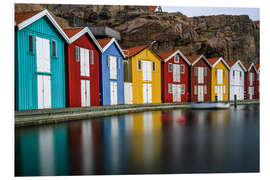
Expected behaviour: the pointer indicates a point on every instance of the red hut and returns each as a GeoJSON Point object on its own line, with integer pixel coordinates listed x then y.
{"type": "Point", "coordinates": [250, 81]}
{"type": "Point", "coordinates": [82, 68]}
{"type": "Point", "coordinates": [200, 78]}
{"type": "Point", "coordinates": [257, 93]}
{"type": "Point", "coordinates": [174, 76]}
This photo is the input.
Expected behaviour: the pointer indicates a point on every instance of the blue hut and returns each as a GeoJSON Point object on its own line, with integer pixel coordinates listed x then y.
{"type": "Point", "coordinates": [111, 72]}
{"type": "Point", "coordinates": [39, 61]}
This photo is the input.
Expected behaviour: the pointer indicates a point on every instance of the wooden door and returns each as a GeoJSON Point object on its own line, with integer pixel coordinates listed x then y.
{"type": "Point", "coordinates": [147, 93]}
{"type": "Point", "coordinates": [200, 93]}
{"type": "Point", "coordinates": [113, 89]}
{"type": "Point", "coordinates": [44, 91]}
{"type": "Point", "coordinates": [85, 93]}
{"type": "Point", "coordinates": [43, 55]}
{"type": "Point", "coordinates": [220, 93]}
{"type": "Point", "coordinates": [113, 67]}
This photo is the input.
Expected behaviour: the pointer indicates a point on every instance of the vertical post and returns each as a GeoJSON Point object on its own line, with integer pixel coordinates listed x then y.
{"type": "Point", "coordinates": [235, 101]}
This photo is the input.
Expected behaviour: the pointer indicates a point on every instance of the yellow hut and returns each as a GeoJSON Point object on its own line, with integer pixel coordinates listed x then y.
{"type": "Point", "coordinates": [219, 79]}
{"type": "Point", "coordinates": [143, 69]}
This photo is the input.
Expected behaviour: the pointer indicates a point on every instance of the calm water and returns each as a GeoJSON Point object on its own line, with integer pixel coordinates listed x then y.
{"type": "Point", "coordinates": [178, 141]}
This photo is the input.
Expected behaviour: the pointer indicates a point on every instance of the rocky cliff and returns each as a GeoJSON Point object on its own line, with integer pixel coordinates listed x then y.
{"type": "Point", "coordinates": [232, 37]}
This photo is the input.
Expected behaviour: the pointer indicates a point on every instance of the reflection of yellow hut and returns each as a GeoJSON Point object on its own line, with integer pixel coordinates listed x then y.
{"type": "Point", "coordinates": [147, 137]}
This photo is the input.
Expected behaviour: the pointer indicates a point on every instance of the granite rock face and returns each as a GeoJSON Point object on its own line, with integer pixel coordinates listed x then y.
{"type": "Point", "coordinates": [232, 37]}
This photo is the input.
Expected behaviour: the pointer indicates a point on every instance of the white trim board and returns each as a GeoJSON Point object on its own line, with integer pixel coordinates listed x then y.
{"type": "Point", "coordinates": [82, 32]}
{"type": "Point", "coordinates": [39, 15]}
{"type": "Point", "coordinates": [239, 62]}
{"type": "Point", "coordinates": [252, 64]}
{"type": "Point", "coordinates": [113, 40]}
{"type": "Point", "coordinates": [177, 52]}
{"type": "Point", "coordinates": [221, 59]}
{"type": "Point", "coordinates": [197, 60]}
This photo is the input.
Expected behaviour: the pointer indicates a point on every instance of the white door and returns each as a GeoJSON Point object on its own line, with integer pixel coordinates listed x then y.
{"type": "Point", "coordinates": [200, 93]}
{"type": "Point", "coordinates": [113, 67]}
{"type": "Point", "coordinates": [176, 88]}
{"type": "Point", "coordinates": [113, 89]}
{"type": "Point", "coordinates": [220, 93]}
{"type": "Point", "coordinates": [176, 73]}
{"type": "Point", "coordinates": [128, 93]}
{"type": "Point", "coordinates": [200, 75]}
{"type": "Point", "coordinates": [84, 62]}
{"type": "Point", "coordinates": [147, 93]}
{"type": "Point", "coordinates": [43, 55]}
{"type": "Point", "coordinates": [85, 93]}
{"type": "Point", "coordinates": [147, 71]}
{"type": "Point", "coordinates": [219, 76]}
{"type": "Point", "coordinates": [44, 91]}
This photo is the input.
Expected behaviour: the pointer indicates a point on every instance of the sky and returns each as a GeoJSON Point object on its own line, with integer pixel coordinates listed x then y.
{"type": "Point", "coordinates": [253, 13]}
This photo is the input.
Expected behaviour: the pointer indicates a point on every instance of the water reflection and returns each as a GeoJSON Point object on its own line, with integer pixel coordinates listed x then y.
{"type": "Point", "coordinates": [178, 141]}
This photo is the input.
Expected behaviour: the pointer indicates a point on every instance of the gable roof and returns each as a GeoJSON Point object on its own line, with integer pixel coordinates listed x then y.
{"type": "Point", "coordinates": [133, 51]}
{"type": "Point", "coordinates": [214, 61]}
{"type": "Point", "coordinates": [194, 59]}
{"type": "Point", "coordinates": [107, 42]}
{"type": "Point", "coordinates": [231, 63]}
{"type": "Point", "coordinates": [248, 66]}
{"type": "Point", "coordinates": [75, 33]}
{"type": "Point", "coordinates": [23, 19]}
{"type": "Point", "coordinates": [169, 54]}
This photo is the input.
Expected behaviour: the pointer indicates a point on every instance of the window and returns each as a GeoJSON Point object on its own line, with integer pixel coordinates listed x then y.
{"type": "Point", "coordinates": [170, 67]}
{"type": "Point", "coordinates": [195, 90]}
{"type": "Point", "coordinates": [31, 43]}
{"type": "Point", "coordinates": [233, 74]}
{"type": "Point", "coordinates": [108, 60]}
{"type": "Point", "coordinates": [91, 57]}
{"type": "Point", "coordinates": [195, 71]}
{"type": "Point", "coordinates": [182, 69]}
{"type": "Point", "coordinates": [118, 61]}
{"type": "Point", "coordinates": [170, 88]}
{"type": "Point", "coordinates": [205, 71]}
{"type": "Point", "coordinates": [215, 72]}
{"type": "Point", "coordinates": [183, 89]}
{"type": "Point", "coordinates": [77, 54]}
{"type": "Point", "coordinates": [205, 89]}
{"type": "Point", "coordinates": [154, 66]}
{"type": "Point", "coordinates": [54, 48]}
{"type": "Point", "coordinates": [240, 75]}
{"type": "Point", "coordinates": [139, 65]}
{"type": "Point", "coordinates": [176, 59]}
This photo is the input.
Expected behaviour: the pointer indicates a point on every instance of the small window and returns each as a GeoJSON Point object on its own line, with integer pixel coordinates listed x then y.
{"type": "Point", "coordinates": [31, 43]}
{"type": "Point", "coordinates": [215, 72]}
{"type": "Point", "coordinates": [205, 89]}
{"type": "Point", "coordinates": [176, 59]}
{"type": "Point", "coordinates": [92, 57]}
{"type": "Point", "coordinates": [118, 60]}
{"type": "Point", "coordinates": [170, 67]}
{"type": "Point", "coordinates": [108, 60]}
{"type": "Point", "coordinates": [54, 48]}
{"type": "Point", "coordinates": [154, 66]}
{"type": "Point", "coordinates": [195, 71]}
{"type": "Point", "coordinates": [139, 65]}
{"type": "Point", "coordinates": [170, 88]}
{"type": "Point", "coordinates": [183, 89]}
{"type": "Point", "coordinates": [195, 90]}
{"type": "Point", "coordinates": [77, 54]}
{"type": "Point", "coordinates": [182, 69]}
{"type": "Point", "coordinates": [233, 74]}
{"type": "Point", "coordinates": [240, 74]}
{"type": "Point", "coordinates": [205, 71]}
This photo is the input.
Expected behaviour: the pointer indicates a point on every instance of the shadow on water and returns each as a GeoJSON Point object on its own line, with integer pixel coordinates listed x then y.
{"type": "Point", "coordinates": [177, 141]}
